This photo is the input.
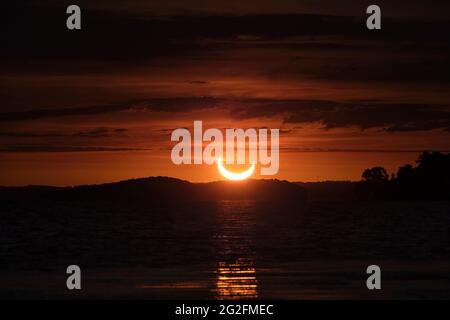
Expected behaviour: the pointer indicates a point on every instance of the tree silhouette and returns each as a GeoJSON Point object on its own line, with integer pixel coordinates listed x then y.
{"type": "Point", "coordinates": [428, 180]}
{"type": "Point", "coordinates": [376, 174]}
{"type": "Point", "coordinates": [405, 173]}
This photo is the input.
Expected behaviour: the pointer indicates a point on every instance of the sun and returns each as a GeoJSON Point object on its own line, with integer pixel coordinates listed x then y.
{"type": "Point", "coordinates": [232, 175]}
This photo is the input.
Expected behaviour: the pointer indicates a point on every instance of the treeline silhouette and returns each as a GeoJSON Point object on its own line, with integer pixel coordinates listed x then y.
{"type": "Point", "coordinates": [428, 180]}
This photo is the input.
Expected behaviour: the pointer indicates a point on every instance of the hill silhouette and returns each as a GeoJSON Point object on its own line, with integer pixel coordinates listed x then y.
{"type": "Point", "coordinates": [164, 189]}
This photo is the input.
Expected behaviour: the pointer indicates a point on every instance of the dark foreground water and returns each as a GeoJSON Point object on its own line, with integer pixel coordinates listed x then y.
{"type": "Point", "coordinates": [225, 250]}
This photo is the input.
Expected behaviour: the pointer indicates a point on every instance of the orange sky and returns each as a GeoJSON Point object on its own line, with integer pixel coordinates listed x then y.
{"type": "Point", "coordinates": [100, 105]}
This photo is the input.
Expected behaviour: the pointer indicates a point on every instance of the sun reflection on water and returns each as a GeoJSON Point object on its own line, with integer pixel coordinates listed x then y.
{"type": "Point", "coordinates": [236, 280]}
{"type": "Point", "coordinates": [236, 270]}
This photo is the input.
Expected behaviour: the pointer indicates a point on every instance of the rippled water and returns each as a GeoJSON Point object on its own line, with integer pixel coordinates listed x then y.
{"type": "Point", "coordinates": [226, 250]}
{"type": "Point", "coordinates": [236, 275]}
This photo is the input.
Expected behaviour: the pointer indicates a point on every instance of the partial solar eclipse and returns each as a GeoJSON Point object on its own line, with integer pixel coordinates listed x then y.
{"type": "Point", "coordinates": [232, 175]}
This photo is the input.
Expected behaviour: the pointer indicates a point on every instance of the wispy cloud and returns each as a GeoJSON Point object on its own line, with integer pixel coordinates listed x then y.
{"type": "Point", "coordinates": [63, 148]}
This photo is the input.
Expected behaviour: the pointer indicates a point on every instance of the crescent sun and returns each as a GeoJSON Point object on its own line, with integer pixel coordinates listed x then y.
{"type": "Point", "coordinates": [232, 175]}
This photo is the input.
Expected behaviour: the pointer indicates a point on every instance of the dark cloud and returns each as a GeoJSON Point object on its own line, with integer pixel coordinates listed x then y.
{"type": "Point", "coordinates": [196, 82]}
{"type": "Point", "coordinates": [93, 133]}
{"type": "Point", "coordinates": [37, 42]}
{"type": "Point", "coordinates": [64, 148]}
{"type": "Point", "coordinates": [389, 117]}
{"type": "Point", "coordinates": [325, 47]}
{"type": "Point", "coordinates": [29, 134]}
{"type": "Point", "coordinates": [40, 33]}
{"type": "Point", "coordinates": [62, 112]}
{"type": "Point", "coordinates": [157, 104]}
{"type": "Point", "coordinates": [100, 132]}
{"type": "Point", "coordinates": [302, 149]}
{"type": "Point", "coordinates": [120, 130]}
{"type": "Point", "coordinates": [400, 8]}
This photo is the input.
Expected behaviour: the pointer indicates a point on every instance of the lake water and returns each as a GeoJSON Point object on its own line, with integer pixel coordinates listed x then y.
{"type": "Point", "coordinates": [225, 250]}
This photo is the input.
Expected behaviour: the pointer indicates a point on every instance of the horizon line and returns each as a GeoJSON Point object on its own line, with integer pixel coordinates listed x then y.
{"type": "Point", "coordinates": [169, 177]}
